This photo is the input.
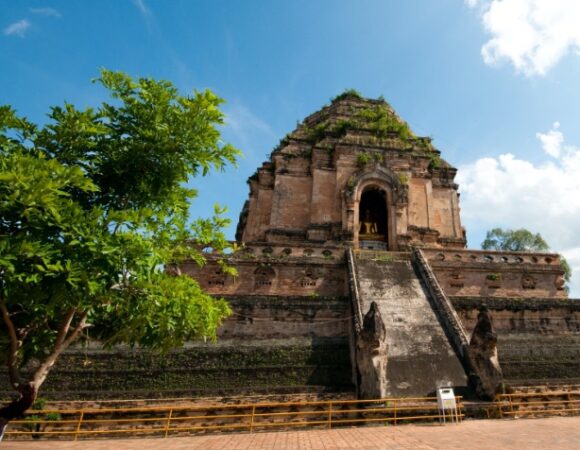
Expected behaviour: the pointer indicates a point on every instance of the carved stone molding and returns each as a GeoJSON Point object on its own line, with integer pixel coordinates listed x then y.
{"type": "Point", "coordinates": [382, 174]}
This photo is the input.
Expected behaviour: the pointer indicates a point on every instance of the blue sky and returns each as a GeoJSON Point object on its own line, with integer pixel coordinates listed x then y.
{"type": "Point", "coordinates": [494, 82]}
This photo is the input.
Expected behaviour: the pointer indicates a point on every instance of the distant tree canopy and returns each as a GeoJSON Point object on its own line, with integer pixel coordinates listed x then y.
{"type": "Point", "coordinates": [520, 240]}
{"type": "Point", "coordinates": [93, 209]}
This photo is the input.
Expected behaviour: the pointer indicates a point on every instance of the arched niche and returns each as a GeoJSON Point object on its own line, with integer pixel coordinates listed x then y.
{"type": "Point", "coordinates": [373, 229]}
{"type": "Point", "coordinates": [382, 189]}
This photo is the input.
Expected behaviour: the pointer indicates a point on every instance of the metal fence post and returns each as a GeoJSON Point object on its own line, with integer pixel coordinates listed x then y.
{"type": "Point", "coordinates": [169, 416]}
{"type": "Point", "coordinates": [329, 414]}
{"type": "Point", "coordinates": [252, 418]}
{"type": "Point", "coordinates": [79, 424]}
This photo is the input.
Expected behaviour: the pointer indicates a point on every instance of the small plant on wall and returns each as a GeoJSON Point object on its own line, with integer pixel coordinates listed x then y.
{"type": "Point", "coordinates": [362, 159]}
{"type": "Point", "coordinates": [351, 183]}
{"type": "Point", "coordinates": [347, 93]}
{"type": "Point", "coordinates": [434, 161]}
{"type": "Point", "coordinates": [403, 178]}
{"type": "Point", "coordinates": [493, 277]}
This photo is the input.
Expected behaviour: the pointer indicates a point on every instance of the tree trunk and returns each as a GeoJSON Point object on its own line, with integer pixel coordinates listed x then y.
{"type": "Point", "coordinates": [18, 407]}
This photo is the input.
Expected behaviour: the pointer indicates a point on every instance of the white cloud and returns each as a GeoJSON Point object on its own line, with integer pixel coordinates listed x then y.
{"type": "Point", "coordinates": [50, 12]}
{"type": "Point", "coordinates": [514, 193]}
{"type": "Point", "coordinates": [552, 140]}
{"type": "Point", "coordinates": [142, 7]}
{"type": "Point", "coordinates": [17, 28]}
{"type": "Point", "coordinates": [531, 34]}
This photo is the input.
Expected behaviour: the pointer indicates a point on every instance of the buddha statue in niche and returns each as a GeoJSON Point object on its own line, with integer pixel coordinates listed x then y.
{"type": "Point", "coordinates": [368, 228]}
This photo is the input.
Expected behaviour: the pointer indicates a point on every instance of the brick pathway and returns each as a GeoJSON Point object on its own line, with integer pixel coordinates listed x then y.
{"type": "Point", "coordinates": [545, 434]}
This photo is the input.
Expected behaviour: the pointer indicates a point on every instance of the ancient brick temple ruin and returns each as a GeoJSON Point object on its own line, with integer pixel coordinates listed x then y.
{"type": "Point", "coordinates": [353, 248]}
{"type": "Point", "coordinates": [353, 276]}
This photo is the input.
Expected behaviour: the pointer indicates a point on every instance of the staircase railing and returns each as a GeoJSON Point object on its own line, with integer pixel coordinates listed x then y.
{"type": "Point", "coordinates": [354, 293]}
{"type": "Point", "coordinates": [444, 307]}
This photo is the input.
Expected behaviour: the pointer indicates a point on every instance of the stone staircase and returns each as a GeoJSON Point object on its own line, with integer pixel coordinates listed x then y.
{"type": "Point", "coordinates": [420, 354]}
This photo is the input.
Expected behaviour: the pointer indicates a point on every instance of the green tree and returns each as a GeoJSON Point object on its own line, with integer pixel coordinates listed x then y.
{"type": "Point", "coordinates": [93, 211]}
{"type": "Point", "coordinates": [521, 240]}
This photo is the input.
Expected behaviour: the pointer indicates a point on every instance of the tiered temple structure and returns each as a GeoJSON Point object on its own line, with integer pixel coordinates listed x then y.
{"type": "Point", "coordinates": [353, 174]}
{"type": "Point", "coordinates": [355, 220]}
{"type": "Point", "coordinates": [353, 276]}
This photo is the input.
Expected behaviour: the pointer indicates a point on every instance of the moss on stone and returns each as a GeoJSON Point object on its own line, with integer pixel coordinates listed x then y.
{"type": "Point", "coordinates": [201, 369]}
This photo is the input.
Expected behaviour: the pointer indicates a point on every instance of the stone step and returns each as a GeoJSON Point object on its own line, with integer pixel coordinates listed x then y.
{"type": "Point", "coordinates": [420, 356]}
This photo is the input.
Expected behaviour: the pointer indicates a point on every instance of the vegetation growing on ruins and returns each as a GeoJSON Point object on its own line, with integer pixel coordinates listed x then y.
{"type": "Point", "coordinates": [434, 161]}
{"type": "Point", "coordinates": [403, 178]}
{"type": "Point", "coordinates": [493, 276]}
{"type": "Point", "coordinates": [362, 159]}
{"type": "Point", "coordinates": [383, 122]}
{"type": "Point", "coordinates": [377, 118]}
{"type": "Point", "coordinates": [347, 93]}
{"type": "Point", "coordinates": [383, 257]}
{"type": "Point", "coordinates": [95, 221]}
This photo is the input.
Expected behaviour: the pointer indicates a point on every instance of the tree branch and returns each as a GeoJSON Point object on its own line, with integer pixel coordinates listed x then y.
{"type": "Point", "coordinates": [63, 331]}
{"type": "Point", "coordinates": [60, 346]}
{"type": "Point", "coordinates": [75, 334]}
{"type": "Point", "coordinates": [12, 357]}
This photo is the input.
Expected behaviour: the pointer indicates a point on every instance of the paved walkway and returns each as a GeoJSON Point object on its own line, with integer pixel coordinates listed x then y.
{"type": "Point", "coordinates": [553, 433]}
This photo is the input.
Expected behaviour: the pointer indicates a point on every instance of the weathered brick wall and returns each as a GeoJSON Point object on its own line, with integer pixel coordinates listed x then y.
{"type": "Point", "coordinates": [538, 338]}
{"type": "Point", "coordinates": [286, 270]}
{"type": "Point", "coordinates": [230, 367]}
{"type": "Point", "coordinates": [269, 317]}
{"type": "Point", "coordinates": [271, 344]}
{"type": "Point", "coordinates": [497, 274]}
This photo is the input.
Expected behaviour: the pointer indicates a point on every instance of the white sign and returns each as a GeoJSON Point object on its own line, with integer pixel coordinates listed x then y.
{"type": "Point", "coordinates": [447, 404]}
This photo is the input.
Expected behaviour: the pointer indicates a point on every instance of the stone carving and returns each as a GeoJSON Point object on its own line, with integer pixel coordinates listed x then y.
{"type": "Point", "coordinates": [456, 279]}
{"type": "Point", "coordinates": [308, 278]}
{"type": "Point", "coordinates": [528, 281]}
{"type": "Point", "coordinates": [263, 277]}
{"type": "Point", "coordinates": [483, 354]}
{"type": "Point", "coordinates": [372, 355]}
